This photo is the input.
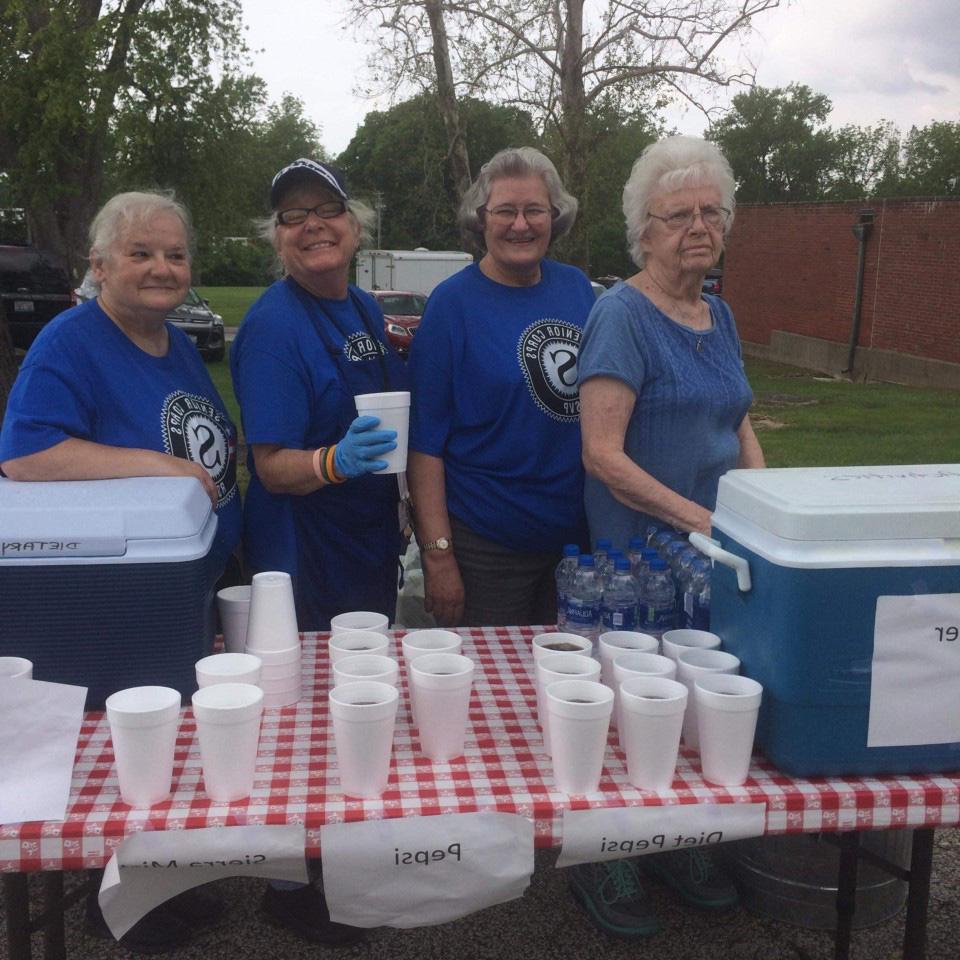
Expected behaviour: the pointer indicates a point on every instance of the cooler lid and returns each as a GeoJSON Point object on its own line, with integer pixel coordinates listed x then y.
{"type": "Point", "coordinates": [847, 503]}
{"type": "Point", "coordinates": [97, 518]}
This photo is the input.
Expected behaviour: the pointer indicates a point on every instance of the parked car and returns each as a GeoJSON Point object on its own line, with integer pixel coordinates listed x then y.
{"type": "Point", "coordinates": [34, 288]}
{"type": "Point", "coordinates": [402, 311]}
{"type": "Point", "coordinates": [194, 317]}
{"type": "Point", "coordinates": [598, 288]}
{"type": "Point", "coordinates": [713, 282]}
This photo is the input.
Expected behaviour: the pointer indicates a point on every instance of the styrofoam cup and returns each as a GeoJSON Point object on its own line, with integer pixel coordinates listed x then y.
{"type": "Point", "coordinates": [228, 728]}
{"type": "Point", "coordinates": [615, 642]}
{"type": "Point", "coordinates": [548, 644]}
{"type": "Point", "coordinates": [16, 668]}
{"type": "Point", "coordinates": [579, 720]}
{"type": "Point", "coordinates": [143, 727]}
{"type": "Point", "coordinates": [366, 666]}
{"type": "Point", "coordinates": [354, 642]}
{"type": "Point", "coordinates": [275, 658]}
{"type": "Point", "coordinates": [561, 666]}
{"type": "Point", "coordinates": [363, 714]}
{"type": "Point", "coordinates": [228, 668]}
{"type": "Point", "coordinates": [693, 663]}
{"type": "Point", "coordinates": [285, 698]}
{"type": "Point", "coordinates": [393, 410]}
{"type": "Point", "coordinates": [651, 714]}
{"type": "Point", "coordinates": [675, 641]}
{"type": "Point", "coordinates": [360, 620]}
{"type": "Point", "coordinates": [442, 684]}
{"type": "Point", "coordinates": [288, 686]}
{"type": "Point", "coordinates": [417, 643]}
{"type": "Point", "coordinates": [233, 604]}
{"type": "Point", "coordinates": [727, 708]}
{"type": "Point", "coordinates": [637, 664]}
{"type": "Point", "coordinates": [280, 671]}
{"type": "Point", "coordinates": [273, 615]}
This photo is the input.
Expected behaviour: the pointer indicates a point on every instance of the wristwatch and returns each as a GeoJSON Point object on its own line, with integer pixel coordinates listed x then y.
{"type": "Point", "coordinates": [441, 544]}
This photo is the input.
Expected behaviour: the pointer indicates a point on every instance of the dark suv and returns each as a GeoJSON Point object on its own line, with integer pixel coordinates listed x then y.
{"type": "Point", "coordinates": [34, 288]}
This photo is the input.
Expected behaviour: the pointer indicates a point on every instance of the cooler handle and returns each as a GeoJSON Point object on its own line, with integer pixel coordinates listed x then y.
{"type": "Point", "coordinates": [713, 550]}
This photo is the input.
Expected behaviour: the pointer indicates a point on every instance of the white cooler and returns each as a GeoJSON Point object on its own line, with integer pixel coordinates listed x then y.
{"type": "Point", "coordinates": [108, 583]}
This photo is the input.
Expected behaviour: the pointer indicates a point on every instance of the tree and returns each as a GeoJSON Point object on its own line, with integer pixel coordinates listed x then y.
{"type": "Point", "coordinates": [866, 162]}
{"type": "Point", "coordinates": [931, 160]}
{"type": "Point", "coordinates": [64, 66]}
{"type": "Point", "coordinates": [776, 144]}
{"type": "Point", "coordinates": [560, 59]}
{"type": "Point", "coordinates": [402, 154]}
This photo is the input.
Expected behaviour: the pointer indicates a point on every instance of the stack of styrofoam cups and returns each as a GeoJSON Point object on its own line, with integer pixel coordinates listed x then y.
{"type": "Point", "coordinates": [441, 683]}
{"type": "Point", "coordinates": [417, 643]}
{"type": "Point", "coordinates": [363, 714]}
{"type": "Point", "coordinates": [615, 643]}
{"type": "Point", "coordinates": [727, 708]}
{"type": "Point", "coordinates": [228, 728]}
{"type": "Point", "coordinates": [272, 636]}
{"type": "Point", "coordinates": [560, 666]}
{"type": "Point", "coordinates": [547, 644]}
{"type": "Point", "coordinates": [360, 620]}
{"type": "Point", "coordinates": [393, 411]}
{"type": "Point", "coordinates": [674, 642]}
{"type": "Point", "coordinates": [351, 643]}
{"type": "Point", "coordinates": [691, 664]}
{"type": "Point", "coordinates": [143, 728]}
{"type": "Point", "coordinates": [652, 711]}
{"type": "Point", "coordinates": [366, 666]}
{"type": "Point", "coordinates": [233, 605]}
{"type": "Point", "coordinates": [634, 664]}
{"type": "Point", "coordinates": [16, 668]}
{"type": "Point", "coordinates": [228, 668]}
{"type": "Point", "coordinates": [579, 721]}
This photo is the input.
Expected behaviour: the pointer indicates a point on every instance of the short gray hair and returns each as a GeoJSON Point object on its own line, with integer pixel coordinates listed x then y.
{"type": "Point", "coordinates": [123, 210]}
{"type": "Point", "coordinates": [668, 165]}
{"type": "Point", "coordinates": [516, 162]}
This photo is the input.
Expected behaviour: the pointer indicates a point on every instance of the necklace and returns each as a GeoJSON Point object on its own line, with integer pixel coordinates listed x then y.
{"type": "Point", "coordinates": [682, 307]}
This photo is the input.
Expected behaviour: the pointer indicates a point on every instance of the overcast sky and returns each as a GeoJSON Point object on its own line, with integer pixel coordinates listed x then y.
{"type": "Point", "coordinates": [887, 59]}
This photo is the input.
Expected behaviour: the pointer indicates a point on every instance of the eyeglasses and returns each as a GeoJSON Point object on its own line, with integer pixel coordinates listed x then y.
{"type": "Point", "coordinates": [714, 217]}
{"type": "Point", "coordinates": [508, 215]}
{"type": "Point", "coordinates": [325, 211]}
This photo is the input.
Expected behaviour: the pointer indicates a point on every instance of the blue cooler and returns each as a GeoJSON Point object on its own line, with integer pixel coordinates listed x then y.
{"type": "Point", "coordinates": [839, 589]}
{"type": "Point", "coordinates": [108, 584]}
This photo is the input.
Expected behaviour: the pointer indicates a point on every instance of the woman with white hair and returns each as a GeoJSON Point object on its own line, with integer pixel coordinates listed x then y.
{"type": "Point", "coordinates": [111, 389]}
{"type": "Point", "coordinates": [494, 465]}
{"type": "Point", "coordinates": [664, 415]}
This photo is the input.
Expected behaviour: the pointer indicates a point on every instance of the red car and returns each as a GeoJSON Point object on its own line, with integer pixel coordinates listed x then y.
{"type": "Point", "coordinates": [401, 316]}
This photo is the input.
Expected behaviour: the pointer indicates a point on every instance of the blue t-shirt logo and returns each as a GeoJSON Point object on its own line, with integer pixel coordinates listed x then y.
{"type": "Point", "coordinates": [361, 346]}
{"type": "Point", "coordinates": [194, 429]}
{"type": "Point", "coordinates": [547, 352]}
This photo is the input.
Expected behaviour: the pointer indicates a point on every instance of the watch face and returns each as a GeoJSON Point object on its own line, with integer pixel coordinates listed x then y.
{"type": "Point", "coordinates": [443, 544]}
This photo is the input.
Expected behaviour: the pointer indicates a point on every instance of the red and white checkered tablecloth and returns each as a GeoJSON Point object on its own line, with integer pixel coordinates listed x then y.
{"type": "Point", "coordinates": [504, 769]}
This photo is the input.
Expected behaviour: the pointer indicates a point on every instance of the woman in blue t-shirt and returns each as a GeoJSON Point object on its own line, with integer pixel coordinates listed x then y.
{"type": "Point", "coordinates": [494, 465]}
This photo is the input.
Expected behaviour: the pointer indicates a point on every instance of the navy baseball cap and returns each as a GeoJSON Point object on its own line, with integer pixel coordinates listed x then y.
{"type": "Point", "coordinates": [305, 169]}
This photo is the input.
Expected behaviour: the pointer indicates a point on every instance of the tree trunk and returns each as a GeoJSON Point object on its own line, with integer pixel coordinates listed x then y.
{"type": "Point", "coordinates": [447, 96]}
{"type": "Point", "coordinates": [572, 132]}
{"type": "Point", "coordinates": [8, 364]}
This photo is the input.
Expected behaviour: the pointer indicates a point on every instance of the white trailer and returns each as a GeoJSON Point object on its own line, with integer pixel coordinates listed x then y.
{"type": "Point", "coordinates": [418, 271]}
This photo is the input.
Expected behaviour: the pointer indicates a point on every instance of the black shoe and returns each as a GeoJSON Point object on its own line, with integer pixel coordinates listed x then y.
{"type": "Point", "coordinates": [198, 907]}
{"type": "Point", "coordinates": [160, 931]}
{"type": "Point", "coordinates": [613, 896]}
{"type": "Point", "coordinates": [696, 874]}
{"type": "Point", "coordinates": [303, 910]}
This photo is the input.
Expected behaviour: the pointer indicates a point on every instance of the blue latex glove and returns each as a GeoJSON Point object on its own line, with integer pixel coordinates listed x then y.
{"type": "Point", "coordinates": [358, 452]}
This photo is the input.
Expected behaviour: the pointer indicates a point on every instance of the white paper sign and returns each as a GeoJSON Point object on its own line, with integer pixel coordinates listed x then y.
{"type": "Point", "coordinates": [416, 871]}
{"type": "Point", "coordinates": [916, 671]}
{"type": "Point", "coordinates": [40, 723]}
{"type": "Point", "coordinates": [155, 865]}
{"type": "Point", "coordinates": [610, 833]}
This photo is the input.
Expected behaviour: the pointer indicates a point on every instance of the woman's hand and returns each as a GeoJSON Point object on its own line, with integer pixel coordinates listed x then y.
{"type": "Point", "coordinates": [362, 446]}
{"type": "Point", "coordinates": [442, 588]}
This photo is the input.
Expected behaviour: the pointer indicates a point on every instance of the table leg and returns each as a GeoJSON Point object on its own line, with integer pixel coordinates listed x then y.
{"type": "Point", "coordinates": [846, 893]}
{"type": "Point", "coordinates": [918, 893]}
{"type": "Point", "coordinates": [54, 941]}
{"type": "Point", "coordinates": [16, 898]}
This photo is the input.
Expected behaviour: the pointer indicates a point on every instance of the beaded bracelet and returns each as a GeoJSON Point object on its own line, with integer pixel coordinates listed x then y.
{"type": "Point", "coordinates": [330, 466]}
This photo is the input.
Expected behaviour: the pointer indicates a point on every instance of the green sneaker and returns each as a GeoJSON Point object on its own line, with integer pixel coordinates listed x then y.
{"type": "Point", "coordinates": [696, 874]}
{"type": "Point", "coordinates": [614, 898]}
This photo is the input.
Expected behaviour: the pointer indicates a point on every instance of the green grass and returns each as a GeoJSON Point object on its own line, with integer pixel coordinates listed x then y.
{"type": "Point", "coordinates": [802, 419]}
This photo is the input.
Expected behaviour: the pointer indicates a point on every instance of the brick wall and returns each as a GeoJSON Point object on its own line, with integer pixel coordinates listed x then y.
{"type": "Point", "coordinates": [792, 267]}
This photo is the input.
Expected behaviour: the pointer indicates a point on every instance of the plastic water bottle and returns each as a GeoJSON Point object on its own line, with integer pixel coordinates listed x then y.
{"type": "Point", "coordinates": [680, 568]}
{"type": "Point", "coordinates": [696, 596]}
{"type": "Point", "coordinates": [566, 568]}
{"type": "Point", "coordinates": [634, 548]}
{"type": "Point", "coordinates": [607, 577]}
{"type": "Point", "coordinates": [583, 600]}
{"type": "Point", "coordinates": [650, 530]}
{"type": "Point", "coordinates": [657, 610]}
{"type": "Point", "coordinates": [618, 608]}
{"type": "Point", "coordinates": [661, 539]}
{"type": "Point", "coordinates": [601, 556]}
